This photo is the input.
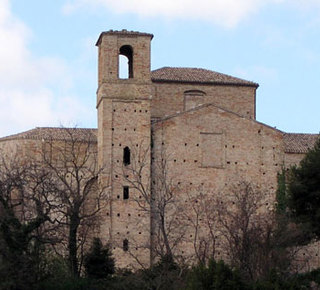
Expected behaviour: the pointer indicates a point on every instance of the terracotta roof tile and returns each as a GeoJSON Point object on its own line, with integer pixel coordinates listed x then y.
{"type": "Point", "coordinates": [196, 75]}
{"type": "Point", "coordinates": [299, 143]}
{"type": "Point", "coordinates": [49, 133]}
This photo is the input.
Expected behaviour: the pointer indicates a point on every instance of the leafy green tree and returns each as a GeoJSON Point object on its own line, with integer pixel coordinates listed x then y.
{"type": "Point", "coordinates": [99, 262]}
{"type": "Point", "coordinates": [304, 189]}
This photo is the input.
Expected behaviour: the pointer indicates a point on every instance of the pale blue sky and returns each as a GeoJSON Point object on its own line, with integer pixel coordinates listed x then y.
{"type": "Point", "coordinates": [48, 72]}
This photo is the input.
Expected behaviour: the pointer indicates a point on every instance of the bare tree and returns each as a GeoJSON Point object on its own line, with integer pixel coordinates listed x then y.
{"type": "Point", "coordinates": [252, 237]}
{"type": "Point", "coordinates": [203, 222]}
{"type": "Point", "coordinates": [167, 209]}
{"type": "Point", "coordinates": [72, 163]}
{"type": "Point", "coordinates": [241, 225]}
{"type": "Point", "coordinates": [25, 223]}
{"type": "Point", "coordinates": [159, 198]}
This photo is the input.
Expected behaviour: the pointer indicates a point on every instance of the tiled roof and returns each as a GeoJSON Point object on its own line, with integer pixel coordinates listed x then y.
{"type": "Point", "coordinates": [196, 75]}
{"type": "Point", "coordinates": [123, 32]}
{"type": "Point", "coordinates": [52, 133]}
{"type": "Point", "coordinates": [299, 143]}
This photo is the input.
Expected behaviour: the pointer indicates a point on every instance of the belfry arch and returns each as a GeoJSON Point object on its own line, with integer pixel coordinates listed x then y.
{"type": "Point", "coordinates": [125, 62]}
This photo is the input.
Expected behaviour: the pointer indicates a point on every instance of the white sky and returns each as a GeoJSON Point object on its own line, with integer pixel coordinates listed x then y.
{"type": "Point", "coordinates": [48, 59]}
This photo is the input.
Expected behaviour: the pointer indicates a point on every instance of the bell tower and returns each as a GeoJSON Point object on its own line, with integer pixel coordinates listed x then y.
{"type": "Point", "coordinates": [124, 135]}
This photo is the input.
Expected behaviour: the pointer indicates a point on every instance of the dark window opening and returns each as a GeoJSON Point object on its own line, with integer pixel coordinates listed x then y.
{"type": "Point", "coordinates": [195, 93]}
{"type": "Point", "coordinates": [126, 62]}
{"type": "Point", "coordinates": [126, 192]}
{"type": "Point", "coordinates": [125, 245]}
{"type": "Point", "coordinates": [126, 156]}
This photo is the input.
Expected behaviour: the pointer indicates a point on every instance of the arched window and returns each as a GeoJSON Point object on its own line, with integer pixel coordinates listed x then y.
{"type": "Point", "coordinates": [126, 62]}
{"type": "Point", "coordinates": [126, 156]}
{"type": "Point", "coordinates": [125, 245]}
{"type": "Point", "coordinates": [193, 98]}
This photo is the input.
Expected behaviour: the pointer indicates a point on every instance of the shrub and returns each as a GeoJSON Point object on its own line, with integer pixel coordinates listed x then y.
{"type": "Point", "coordinates": [217, 275]}
{"type": "Point", "coordinates": [98, 262]}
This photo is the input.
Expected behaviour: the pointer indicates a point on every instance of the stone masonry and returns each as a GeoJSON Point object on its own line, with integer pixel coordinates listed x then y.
{"type": "Point", "coordinates": [203, 124]}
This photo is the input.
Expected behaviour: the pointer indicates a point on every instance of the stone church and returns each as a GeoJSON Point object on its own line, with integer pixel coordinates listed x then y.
{"type": "Point", "coordinates": [194, 126]}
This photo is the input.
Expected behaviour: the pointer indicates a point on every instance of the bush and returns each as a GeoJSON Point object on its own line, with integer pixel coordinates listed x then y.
{"type": "Point", "coordinates": [99, 262]}
{"type": "Point", "coordinates": [217, 275]}
{"type": "Point", "coordinates": [276, 281]}
{"type": "Point", "coordinates": [57, 276]}
{"type": "Point", "coordinates": [164, 275]}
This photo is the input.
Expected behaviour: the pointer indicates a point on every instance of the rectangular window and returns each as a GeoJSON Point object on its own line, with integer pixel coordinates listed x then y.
{"type": "Point", "coordinates": [126, 192]}
{"type": "Point", "coordinates": [212, 149]}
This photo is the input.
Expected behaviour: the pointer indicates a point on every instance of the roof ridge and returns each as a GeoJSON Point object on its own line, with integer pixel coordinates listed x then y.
{"type": "Point", "coordinates": [293, 133]}
{"type": "Point", "coordinates": [45, 133]}
{"type": "Point", "coordinates": [62, 127]}
{"type": "Point", "coordinates": [197, 75]}
{"type": "Point", "coordinates": [187, 67]}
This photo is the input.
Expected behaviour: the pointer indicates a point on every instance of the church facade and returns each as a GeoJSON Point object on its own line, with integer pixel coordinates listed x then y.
{"type": "Point", "coordinates": [170, 134]}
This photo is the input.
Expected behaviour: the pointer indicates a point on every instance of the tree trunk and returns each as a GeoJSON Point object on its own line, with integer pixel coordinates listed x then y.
{"type": "Point", "coordinates": [72, 246]}
{"type": "Point", "coordinates": [169, 256]}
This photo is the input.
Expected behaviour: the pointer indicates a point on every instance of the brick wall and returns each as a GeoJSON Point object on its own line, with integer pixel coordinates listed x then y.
{"type": "Point", "coordinates": [247, 151]}
{"type": "Point", "coordinates": [169, 98]}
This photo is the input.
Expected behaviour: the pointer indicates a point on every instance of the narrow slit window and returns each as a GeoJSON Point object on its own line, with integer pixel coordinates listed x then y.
{"type": "Point", "coordinates": [126, 192]}
{"type": "Point", "coordinates": [126, 156]}
{"type": "Point", "coordinates": [125, 245]}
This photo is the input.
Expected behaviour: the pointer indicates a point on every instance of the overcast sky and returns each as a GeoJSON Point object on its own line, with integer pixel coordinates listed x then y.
{"type": "Point", "coordinates": [48, 58]}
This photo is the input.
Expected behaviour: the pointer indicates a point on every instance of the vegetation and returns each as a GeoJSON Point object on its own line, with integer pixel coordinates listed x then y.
{"type": "Point", "coordinates": [258, 248]}
{"type": "Point", "coordinates": [73, 168]}
{"type": "Point", "coordinates": [22, 235]}
{"type": "Point", "coordinates": [304, 190]}
{"type": "Point", "coordinates": [47, 204]}
{"type": "Point", "coordinates": [217, 275]}
{"type": "Point", "coordinates": [26, 265]}
{"type": "Point", "coordinates": [98, 262]}
{"type": "Point", "coordinates": [281, 195]}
